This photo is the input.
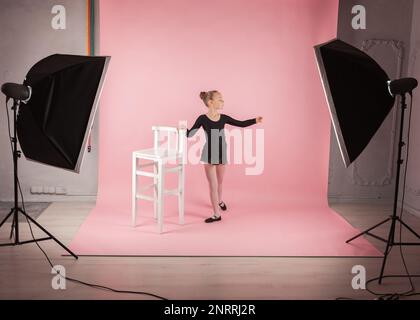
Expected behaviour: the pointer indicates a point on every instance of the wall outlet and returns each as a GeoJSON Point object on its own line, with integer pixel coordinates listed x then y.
{"type": "Point", "coordinates": [49, 190]}
{"type": "Point", "coordinates": [36, 189]}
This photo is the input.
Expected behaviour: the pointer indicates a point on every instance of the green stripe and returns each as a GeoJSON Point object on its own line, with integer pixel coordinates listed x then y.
{"type": "Point", "coordinates": [92, 27]}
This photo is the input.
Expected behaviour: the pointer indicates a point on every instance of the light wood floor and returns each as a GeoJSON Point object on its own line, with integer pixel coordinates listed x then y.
{"type": "Point", "coordinates": [25, 273]}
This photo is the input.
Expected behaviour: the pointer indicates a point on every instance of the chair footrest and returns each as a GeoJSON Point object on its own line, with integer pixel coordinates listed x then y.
{"type": "Point", "coordinates": [173, 192]}
{"type": "Point", "coordinates": [146, 187]}
{"type": "Point", "coordinates": [144, 197]}
{"type": "Point", "coordinates": [146, 174]}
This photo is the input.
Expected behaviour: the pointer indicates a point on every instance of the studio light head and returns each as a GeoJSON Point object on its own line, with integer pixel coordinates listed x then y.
{"type": "Point", "coordinates": [17, 91]}
{"type": "Point", "coordinates": [402, 86]}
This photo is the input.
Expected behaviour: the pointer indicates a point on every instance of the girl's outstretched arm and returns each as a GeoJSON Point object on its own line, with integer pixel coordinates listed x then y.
{"type": "Point", "coordinates": [239, 123]}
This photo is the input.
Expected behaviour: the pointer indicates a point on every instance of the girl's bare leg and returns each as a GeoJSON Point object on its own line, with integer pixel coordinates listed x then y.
{"type": "Point", "coordinates": [213, 185]}
{"type": "Point", "coordinates": [220, 172]}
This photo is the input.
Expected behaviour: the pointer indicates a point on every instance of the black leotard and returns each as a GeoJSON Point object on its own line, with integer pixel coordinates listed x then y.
{"type": "Point", "coordinates": [214, 150]}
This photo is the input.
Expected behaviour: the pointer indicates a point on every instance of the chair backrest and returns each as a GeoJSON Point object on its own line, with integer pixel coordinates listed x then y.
{"type": "Point", "coordinates": [176, 138]}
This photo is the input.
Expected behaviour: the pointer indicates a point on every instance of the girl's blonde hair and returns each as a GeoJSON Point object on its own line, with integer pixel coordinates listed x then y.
{"type": "Point", "coordinates": [207, 95]}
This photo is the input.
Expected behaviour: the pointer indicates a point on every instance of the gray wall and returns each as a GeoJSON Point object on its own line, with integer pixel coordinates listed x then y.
{"type": "Point", "coordinates": [412, 202]}
{"type": "Point", "coordinates": [387, 39]}
{"type": "Point", "coordinates": [26, 37]}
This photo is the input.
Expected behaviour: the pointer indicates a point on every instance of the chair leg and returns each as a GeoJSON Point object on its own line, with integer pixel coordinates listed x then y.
{"type": "Point", "coordinates": [160, 196]}
{"type": "Point", "coordinates": [181, 195]}
{"type": "Point", "coordinates": [134, 191]}
{"type": "Point", "coordinates": [155, 191]}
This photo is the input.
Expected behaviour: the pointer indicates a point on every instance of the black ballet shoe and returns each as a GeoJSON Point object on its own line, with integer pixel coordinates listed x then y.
{"type": "Point", "coordinates": [222, 206]}
{"type": "Point", "coordinates": [213, 219]}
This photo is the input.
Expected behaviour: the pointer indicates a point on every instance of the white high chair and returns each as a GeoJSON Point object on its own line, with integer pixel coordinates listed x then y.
{"type": "Point", "coordinates": [160, 156]}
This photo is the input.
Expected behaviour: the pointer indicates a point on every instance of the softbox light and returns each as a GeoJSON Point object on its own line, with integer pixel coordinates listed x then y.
{"type": "Point", "coordinates": [54, 125]}
{"type": "Point", "coordinates": [360, 96]}
{"type": "Point", "coordinates": [357, 92]}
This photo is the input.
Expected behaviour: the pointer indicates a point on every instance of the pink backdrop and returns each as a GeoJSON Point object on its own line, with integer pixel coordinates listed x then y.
{"type": "Point", "coordinates": [258, 53]}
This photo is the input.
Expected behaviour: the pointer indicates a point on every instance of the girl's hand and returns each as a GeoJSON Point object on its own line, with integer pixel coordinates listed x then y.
{"type": "Point", "coordinates": [259, 119]}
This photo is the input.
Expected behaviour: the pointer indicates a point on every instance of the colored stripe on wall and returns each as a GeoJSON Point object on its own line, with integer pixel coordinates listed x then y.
{"type": "Point", "coordinates": [90, 26]}
{"type": "Point", "coordinates": [90, 42]}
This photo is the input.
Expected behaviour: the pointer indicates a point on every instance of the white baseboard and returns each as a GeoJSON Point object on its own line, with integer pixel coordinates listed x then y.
{"type": "Point", "coordinates": [411, 209]}
{"type": "Point", "coordinates": [54, 198]}
{"type": "Point", "coordinates": [340, 199]}
{"type": "Point", "coordinates": [349, 199]}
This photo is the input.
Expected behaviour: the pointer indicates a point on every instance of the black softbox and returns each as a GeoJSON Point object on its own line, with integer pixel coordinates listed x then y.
{"type": "Point", "coordinates": [54, 125]}
{"type": "Point", "coordinates": [357, 92]}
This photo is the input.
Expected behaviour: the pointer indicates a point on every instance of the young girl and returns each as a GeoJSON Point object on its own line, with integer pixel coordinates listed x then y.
{"type": "Point", "coordinates": [213, 155]}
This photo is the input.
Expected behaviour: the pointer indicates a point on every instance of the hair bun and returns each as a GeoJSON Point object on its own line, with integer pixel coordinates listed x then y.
{"type": "Point", "coordinates": [203, 95]}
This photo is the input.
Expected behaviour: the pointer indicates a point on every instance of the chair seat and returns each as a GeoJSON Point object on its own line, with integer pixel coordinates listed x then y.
{"type": "Point", "coordinates": [158, 153]}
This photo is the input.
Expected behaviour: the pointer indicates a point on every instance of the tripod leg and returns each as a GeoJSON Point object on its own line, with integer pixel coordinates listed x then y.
{"type": "Point", "coordinates": [409, 228]}
{"type": "Point", "coordinates": [49, 234]}
{"type": "Point", "coordinates": [366, 231]}
{"type": "Point", "coordinates": [389, 244]}
{"type": "Point", "coordinates": [13, 227]}
{"type": "Point", "coordinates": [7, 217]}
{"type": "Point", "coordinates": [384, 262]}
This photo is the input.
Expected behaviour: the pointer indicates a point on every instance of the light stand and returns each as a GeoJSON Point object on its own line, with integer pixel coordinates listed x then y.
{"type": "Point", "coordinates": [16, 211]}
{"type": "Point", "coordinates": [360, 96]}
{"type": "Point", "coordinates": [390, 242]}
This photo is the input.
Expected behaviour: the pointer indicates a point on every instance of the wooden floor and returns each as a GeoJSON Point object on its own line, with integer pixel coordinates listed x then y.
{"type": "Point", "coordinates": [25, 273]}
